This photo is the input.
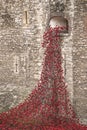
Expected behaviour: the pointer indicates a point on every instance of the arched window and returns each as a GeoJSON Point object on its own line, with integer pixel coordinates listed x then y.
{"type": "Point", "coordinates": [59, 21]}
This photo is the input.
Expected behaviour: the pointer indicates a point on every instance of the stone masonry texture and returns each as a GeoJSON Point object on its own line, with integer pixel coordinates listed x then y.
{"type": "Point", "coordinates": [80, 59]}
{"type": "Point", "coordinates": [22, 24]}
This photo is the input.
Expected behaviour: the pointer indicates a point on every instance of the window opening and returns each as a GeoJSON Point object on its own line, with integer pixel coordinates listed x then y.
{"type": "Point", "coordinates": [26, 18]}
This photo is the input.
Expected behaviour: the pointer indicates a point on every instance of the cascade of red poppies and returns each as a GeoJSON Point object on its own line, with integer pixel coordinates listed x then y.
{"type": "Point", "coordinates": [48, 106]}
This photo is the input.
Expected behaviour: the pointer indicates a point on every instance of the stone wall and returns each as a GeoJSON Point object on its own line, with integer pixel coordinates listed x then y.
{"type": "Point", "coordinates": [22, 24]}
{"type": "Point", "coordinates": [80, 59]}
{"type": "Point", "coordinates": [21, 54]}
